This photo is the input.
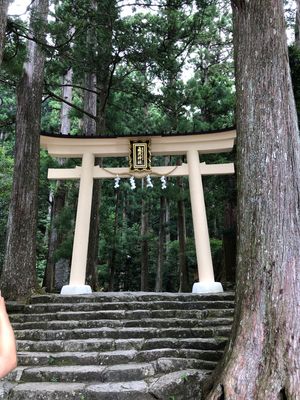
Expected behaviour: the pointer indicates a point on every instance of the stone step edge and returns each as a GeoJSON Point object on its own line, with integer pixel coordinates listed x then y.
{"type": "Point", "coordinates": [132, 352]}
{"type": "Point", "coordinates": [154, 388]}
{"type": "Point", "coordinates": [107, 373]}
{"type": "Point", "coordinates": [129, 315]}
{"type": "Point", "coordinates": [134, 296]}
{"type": "Point", "coordinates": [33, 359]}
{"type": "Point", "coordinates": [124, 323]}
{"type": "Point", "coordinates": [137, 306]}
{"type": "Point", "coordinates": [129, 329]}
{"type": "Point", "coordinates": [140, 344]}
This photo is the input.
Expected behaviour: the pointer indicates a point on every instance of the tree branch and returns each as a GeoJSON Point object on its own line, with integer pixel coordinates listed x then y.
{"type": "Point", "coordinates": [61, 99]}
{"type": "Point", "coordinates": [74, 86]}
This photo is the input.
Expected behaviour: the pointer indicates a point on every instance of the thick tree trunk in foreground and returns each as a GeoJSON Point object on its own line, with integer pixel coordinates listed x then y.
{"type": "Point", "coordinates": [262, 360]}
{"type": "Point", "coordinates": [229, 238]}
{"type": "Point", "coordinates": [229, 247]}
{"type": "Point", "coordinates": [19, 275]}
{"type": "Point", "coordinates": [3, 19]}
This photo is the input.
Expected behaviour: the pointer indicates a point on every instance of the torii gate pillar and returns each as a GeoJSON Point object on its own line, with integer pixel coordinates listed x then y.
{"type": "Point", "coordinates": [82, 228]}
{"type": "Point", "coordinates": [204, 260]}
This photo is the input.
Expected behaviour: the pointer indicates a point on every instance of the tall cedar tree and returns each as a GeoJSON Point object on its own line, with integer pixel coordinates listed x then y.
{"type": "Point", "coordinates": [3, 18]}
{"type": "Point", "coordinates": [18, 275]}
{"type": "Point", "coordinates": [51, 279]}
{"type": "Point", "coordinates": [89, 128]}
{"type": "Point", "coordinates": [262, 360]}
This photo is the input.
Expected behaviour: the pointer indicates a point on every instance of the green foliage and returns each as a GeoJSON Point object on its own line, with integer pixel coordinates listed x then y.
{"type": "Point", "coordinates": [6, 172]}
{"type": "Point", "coordinates": [65, 226]}
{"type": "Point", "coordinates": [15, 49]}
{"type": "Point", "coordinates": [7, 110]}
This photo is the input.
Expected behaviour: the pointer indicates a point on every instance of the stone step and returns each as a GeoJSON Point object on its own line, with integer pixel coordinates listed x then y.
{"type": "Point", "coordinates": [112, 357]}
{"type": "Point", "coordinates": [179, 385]}
{"type": "Point", "coordinates": [92, 345]}
{"type": "Point", "coordinates": [131, 297]}
{"type": "Point", "coordinates": [48, 391]}
{"type": "Point", "coordinates": [82, 373]}
{"type": "Point", "coordinates": [148, 322]}
{"type": "Point", "coordinates": [123, 333]}
{"type": "Point", "coordinates": [151, 305]}
{"type": "Point", "coordinates": [122, 314]}
{"type": "Point", "coordinates": [112, 373]}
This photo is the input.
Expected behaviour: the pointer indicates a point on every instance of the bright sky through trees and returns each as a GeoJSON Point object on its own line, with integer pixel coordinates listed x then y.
{"type": "Point", "coordinates": [18, 7]}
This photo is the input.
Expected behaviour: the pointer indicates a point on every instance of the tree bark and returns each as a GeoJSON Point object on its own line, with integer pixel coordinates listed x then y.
{"type": "Point", "coordinates": [90, 105]}
{"type": "Point", "coordinates": [229, 235]}
{"type": "Point", "coordinates": [19, 275]}
{"type": "Point", "coordinates": [229, 244]}
{"type": "Point", "coordinates": [3, 19]}
{"type": "Point", "coordinates": [67, 92]}
{"type": "Point", "coordinates": [262, 360]}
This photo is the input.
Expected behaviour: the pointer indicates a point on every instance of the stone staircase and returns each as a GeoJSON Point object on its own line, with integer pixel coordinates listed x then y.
{"type": "Point", "coordinates": [117, 346]}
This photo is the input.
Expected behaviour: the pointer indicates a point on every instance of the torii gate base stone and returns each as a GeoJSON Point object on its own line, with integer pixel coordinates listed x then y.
{"type": "Point", "coordinates": [88, 148]}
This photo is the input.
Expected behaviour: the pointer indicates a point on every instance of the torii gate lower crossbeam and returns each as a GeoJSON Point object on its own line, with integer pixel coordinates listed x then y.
{"type": "Point", "coordinates": [193, 169]}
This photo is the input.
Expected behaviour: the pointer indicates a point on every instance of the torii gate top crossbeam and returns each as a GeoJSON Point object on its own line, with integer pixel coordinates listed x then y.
{"type": "Point", "coordinates": [73, 147]}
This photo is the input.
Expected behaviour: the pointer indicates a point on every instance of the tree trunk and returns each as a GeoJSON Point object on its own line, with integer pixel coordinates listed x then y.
{"type": "Point", "coordinates": [144, 246]}
{"type": "Point", "coordinates": [183, 268]}
{"type": "Point", "coordinates": [3, 18]}
{"type": "Point", "coordinates": [99, 82]}
{"type": "Point", "coordinates": [65, 120]}
{"type": "Point", "coordinates": [50, 281]}
{"type": "Point", "coordinates": [229, 235]}
{"type": "Point", "coordinates": [58, 204]}
{"type": "Point", "coordinates": [90, 129]}
{"type": "Point", "coordinates": [92, 258]}
{"type": "Point", "coordinates": [19, 275]}
{"type": "Point", "coordinates": [297, 25]}
{"type": "Point", "coordinates": [61, 268]}
{"type": "Point", "coordinates": [262, 360]}
{"type": "Point", "coordinates": [90, 105]}
{"type": "Point", "coordinates": [229, 244]}
{"type": "Point", "coordinates": [161, 246]}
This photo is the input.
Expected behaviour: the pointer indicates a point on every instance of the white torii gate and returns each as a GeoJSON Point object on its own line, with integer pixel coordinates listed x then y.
{"type": "Point", "coordinates": [88, 148]}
